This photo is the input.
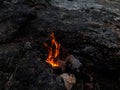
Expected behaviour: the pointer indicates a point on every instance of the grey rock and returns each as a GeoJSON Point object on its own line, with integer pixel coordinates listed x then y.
{"type": "Point", "coordinates": [82, 25]}
{"type": "Point", "coordinates": [7, 31]}
{"type": "Point", "coordinates": [75, 4]}
{"type": "Point", "coordinates": [27, 45]}
{"type": "Point", "coordinates": [9, 55]}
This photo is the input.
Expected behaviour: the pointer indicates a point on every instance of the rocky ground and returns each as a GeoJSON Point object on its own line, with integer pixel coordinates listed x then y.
{"type": "Point", "coordinates": [90, 30]}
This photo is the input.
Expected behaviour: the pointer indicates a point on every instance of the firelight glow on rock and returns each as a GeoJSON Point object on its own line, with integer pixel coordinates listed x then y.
{"type": "Point", "coordinates": [54, 51]}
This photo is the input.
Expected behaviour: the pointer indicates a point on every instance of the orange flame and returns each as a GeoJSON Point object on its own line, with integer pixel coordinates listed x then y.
{"type": "Point", "coordinates": [54, 51]}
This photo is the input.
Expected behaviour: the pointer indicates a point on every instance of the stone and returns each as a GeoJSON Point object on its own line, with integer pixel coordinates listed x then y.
{"type": "Point", "coordinates": [69, 80]}
{"type": "Point", "coordinates": [74, 62]}
{"type": "Point", "coordinates": [27, 45]}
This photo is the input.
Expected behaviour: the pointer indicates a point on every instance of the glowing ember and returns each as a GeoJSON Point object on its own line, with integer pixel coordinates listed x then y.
{"type": "Point", "coordinates": [54, 51]}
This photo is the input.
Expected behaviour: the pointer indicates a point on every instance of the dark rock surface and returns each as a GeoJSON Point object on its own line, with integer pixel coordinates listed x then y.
{"type": "Point", "coordinates": [92, 34]}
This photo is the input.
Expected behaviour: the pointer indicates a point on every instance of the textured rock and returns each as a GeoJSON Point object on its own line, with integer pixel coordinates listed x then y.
{"type": "Point", "coordinates": [91, 33]}
{"type": "Point", "coordinates": [13, 16]}
{"type": "Point", "coordinates": [9, 55]}
{"type": "Point", "coordinates": [69, 80]}
{"type": "Point", "coordinates": [75, 4]}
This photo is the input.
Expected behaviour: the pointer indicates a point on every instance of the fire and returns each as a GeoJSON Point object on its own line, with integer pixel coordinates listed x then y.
{"type": "Point", "coordinates": [54, 51]}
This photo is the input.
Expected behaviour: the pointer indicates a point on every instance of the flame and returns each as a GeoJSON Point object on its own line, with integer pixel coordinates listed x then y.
{"type": "Point", "coordinates": [54, 51]}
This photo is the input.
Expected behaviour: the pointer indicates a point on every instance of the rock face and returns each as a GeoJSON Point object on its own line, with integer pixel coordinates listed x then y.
{"type": "Point", "coordinates": [88, 29]}
{"type": "Point", "coordinates": [75, 4]}
{"type": "Point", "coordinates": [112, 5]}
